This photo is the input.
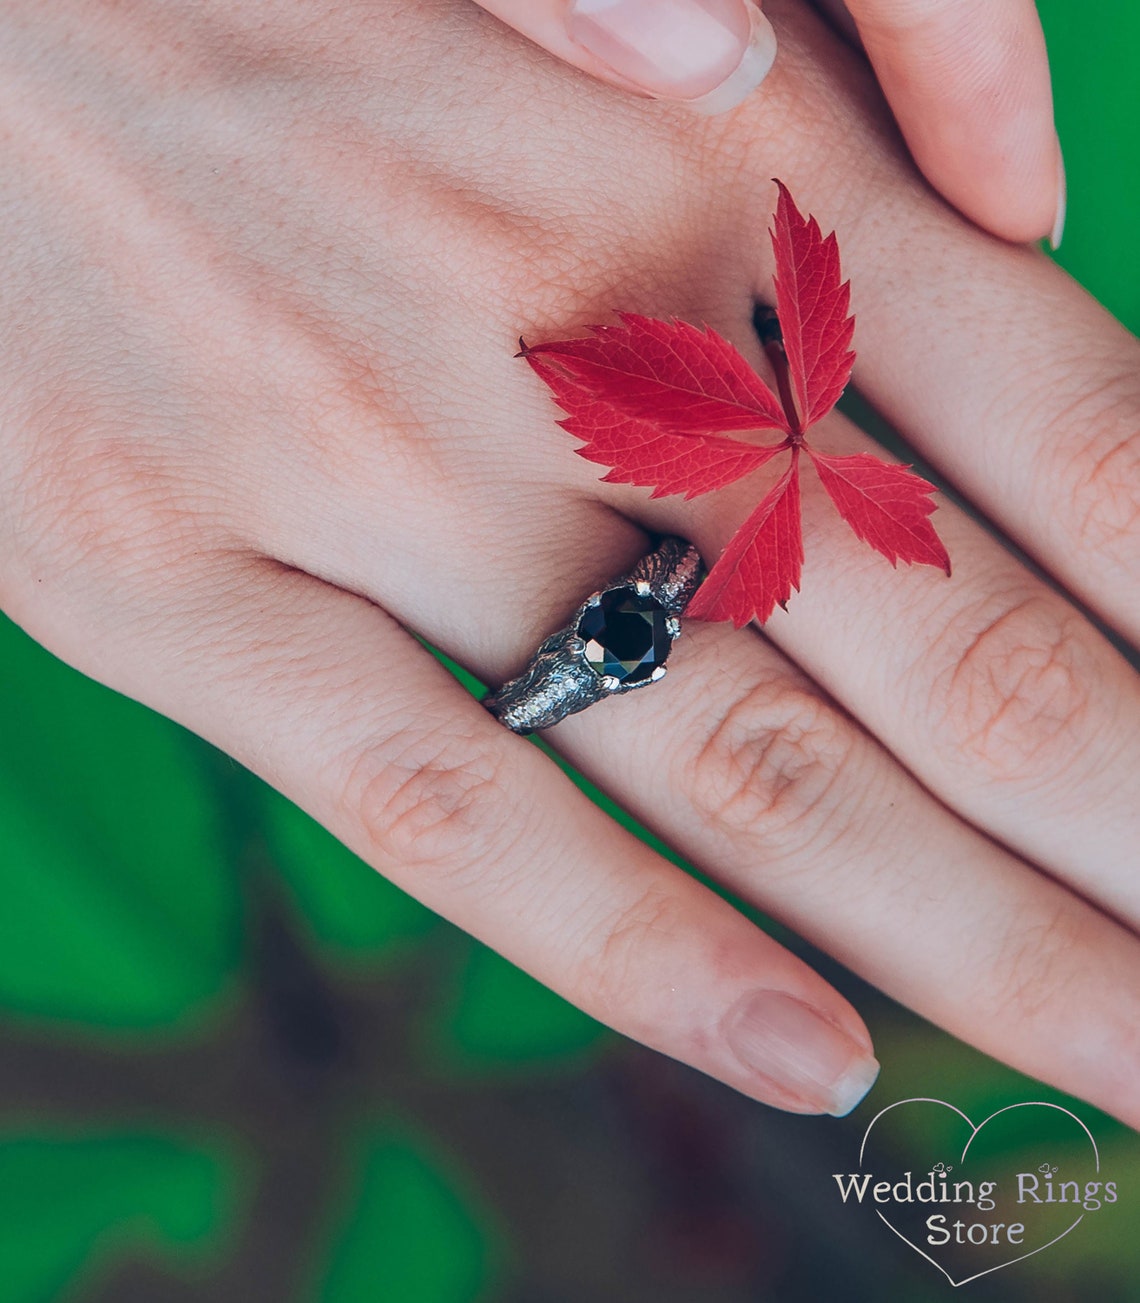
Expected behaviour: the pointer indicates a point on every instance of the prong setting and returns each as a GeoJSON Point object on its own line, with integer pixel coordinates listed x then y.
{"type": "Point", "coordinates": [618, 641]}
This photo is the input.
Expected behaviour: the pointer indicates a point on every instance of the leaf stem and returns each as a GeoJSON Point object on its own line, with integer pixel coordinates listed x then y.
{"type": "Point", "coordinates": [767, 327]}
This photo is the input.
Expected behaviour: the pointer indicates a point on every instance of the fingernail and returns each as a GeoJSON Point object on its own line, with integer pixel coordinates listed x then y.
{"type": "Point", "coordinates": [1062, 201]}
{"type": "Point", "coordinates": [800, 1051]}
{"type": "Point", "coordinates": [708, 54]}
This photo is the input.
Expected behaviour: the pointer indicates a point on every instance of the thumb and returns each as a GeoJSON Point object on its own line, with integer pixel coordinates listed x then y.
{"type": "Point", "coordinates": [707, 54]}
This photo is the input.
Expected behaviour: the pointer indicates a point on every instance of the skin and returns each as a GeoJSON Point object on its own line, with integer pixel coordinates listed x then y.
{"type": "Point", "coordinates": [265, 266]}
{"type": "Point", "coordinates": [968, 81]}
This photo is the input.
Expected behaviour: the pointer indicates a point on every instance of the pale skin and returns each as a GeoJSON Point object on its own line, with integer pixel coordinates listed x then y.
{"type": "Point", "coordinates": [264, 269]}
{"type": "Point", "coordinates": [968, 81]}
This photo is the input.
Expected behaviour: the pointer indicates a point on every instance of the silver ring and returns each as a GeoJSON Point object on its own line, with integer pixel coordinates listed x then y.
{"type": "Point", "coordinates": [619, 640]}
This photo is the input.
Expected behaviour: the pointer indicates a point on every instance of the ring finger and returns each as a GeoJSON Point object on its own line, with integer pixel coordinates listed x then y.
{"type": "Point", "coordinates": [321, 693]}
{"type": "Point", "coordinates": [761, 781]}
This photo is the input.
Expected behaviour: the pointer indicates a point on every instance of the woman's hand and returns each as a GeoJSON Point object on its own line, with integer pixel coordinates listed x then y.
{"type": "Point", "coordinates": [264, 269]}
{"type": "Point", "coordinates": [968, 81]}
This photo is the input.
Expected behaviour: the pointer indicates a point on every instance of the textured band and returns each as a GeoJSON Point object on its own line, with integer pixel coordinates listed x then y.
{"type": "Point", "coordinates": [619, 640]}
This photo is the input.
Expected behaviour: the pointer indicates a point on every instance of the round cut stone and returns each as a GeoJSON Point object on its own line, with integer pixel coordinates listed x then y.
{"type": "Point", "coordinates": [625, 635]}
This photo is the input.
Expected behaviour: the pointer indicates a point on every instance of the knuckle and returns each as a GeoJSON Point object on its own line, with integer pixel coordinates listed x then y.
{"type": "Point", "coordinates": [102, 503]}
{"type": "Point", "coordinates": [1096, 435]}
{"type": "Point", "coordinates": [1015, 700]}
{"type": "Point", "coordinates": [431, 798]}
{"type": "Point", "coordinates": [1106, 495]}
{"type": "Point", "coordinates": [770, 767]}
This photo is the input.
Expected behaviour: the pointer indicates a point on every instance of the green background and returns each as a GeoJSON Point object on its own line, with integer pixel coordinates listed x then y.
{"type": "Point", "coordinates": [237, 1065]}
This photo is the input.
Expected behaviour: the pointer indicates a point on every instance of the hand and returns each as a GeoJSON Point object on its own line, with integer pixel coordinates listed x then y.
{"type": "Point", "coordinates": [264, 272]}
{"type": "Point", "coordinates": [969, 82]}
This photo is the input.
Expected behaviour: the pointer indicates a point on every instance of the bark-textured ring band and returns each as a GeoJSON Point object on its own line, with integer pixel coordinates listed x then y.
{"type": "Point", "coordinates": [619, 640]}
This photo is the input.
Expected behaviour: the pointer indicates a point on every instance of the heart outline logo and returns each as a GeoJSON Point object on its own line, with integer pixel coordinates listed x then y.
{"type": "Point", "coordinates": [974, 1130]}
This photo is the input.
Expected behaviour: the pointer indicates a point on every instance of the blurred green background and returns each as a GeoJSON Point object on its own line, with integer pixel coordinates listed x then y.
{"type": "Point", "coordinates": [236, 1065]}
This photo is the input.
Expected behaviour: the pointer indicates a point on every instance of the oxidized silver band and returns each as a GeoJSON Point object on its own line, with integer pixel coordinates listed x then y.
{"type": "Point", "coordinates": [618, 640]}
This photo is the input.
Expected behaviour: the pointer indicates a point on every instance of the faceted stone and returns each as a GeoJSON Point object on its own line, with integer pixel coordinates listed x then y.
{"type": "Point", "coordinates": [625, 635]}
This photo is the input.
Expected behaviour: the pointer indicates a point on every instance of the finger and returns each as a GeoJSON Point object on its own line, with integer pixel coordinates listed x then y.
{"type": "Point", "coordinates": [1036, 418]}
{"type": "Point", "coordinates": [999, 369]}
{"type": "Point", "coordinates": [794, 806]}
{"type": "Point", "coordinates": [707, 54]}
{"type": "Point", "coordinates": [969, 84]}
{"type": "Point", "coordinates": [990, 687]}
{"type": "Point", "coordinates": [740, 763]}
{"type": "Point", "coordinates": [326, 697]}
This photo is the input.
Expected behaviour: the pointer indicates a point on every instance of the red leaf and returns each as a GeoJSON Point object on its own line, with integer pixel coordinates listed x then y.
{"type": "Point", "coordinates": [887, 506]}
{"type": "Point", "coordinates": [657, 403]}
{"type": "Point", "coordinates": [640, 452]}
{"type": "Point", "coordinates": [670, 373]}
{"type": "Point", "coordinates": [812, 307]}
{"type": "Point", "coordinates": [761, 564]}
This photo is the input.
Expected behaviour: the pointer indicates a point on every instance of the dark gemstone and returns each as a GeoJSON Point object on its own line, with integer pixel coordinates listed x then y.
{"type": "Point", "coordinates": [625, 635]}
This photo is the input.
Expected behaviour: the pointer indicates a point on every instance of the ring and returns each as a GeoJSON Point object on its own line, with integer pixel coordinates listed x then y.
{"type": "Point", "coordinates": [619, 640]}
